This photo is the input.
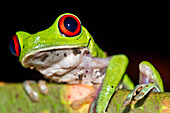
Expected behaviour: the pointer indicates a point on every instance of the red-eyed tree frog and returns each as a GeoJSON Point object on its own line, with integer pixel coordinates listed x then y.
{"type": "Point", "coordinates": [67, 53]}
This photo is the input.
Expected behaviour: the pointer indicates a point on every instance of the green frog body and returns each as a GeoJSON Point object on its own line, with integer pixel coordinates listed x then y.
{"type": "Point", "coordinates": [67, 53]}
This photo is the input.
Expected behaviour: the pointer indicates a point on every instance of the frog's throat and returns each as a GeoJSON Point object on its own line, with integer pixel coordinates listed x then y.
{"type": "Point", "coordinates": [33, 52]}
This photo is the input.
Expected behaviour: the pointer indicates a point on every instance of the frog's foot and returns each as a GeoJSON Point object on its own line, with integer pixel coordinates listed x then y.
{"type": "Point", "coordinates": [33, 95]}
{"type": "Point", "coordinates": [139, 92]}
{"type": "Point", "coordinates": [147, 83]}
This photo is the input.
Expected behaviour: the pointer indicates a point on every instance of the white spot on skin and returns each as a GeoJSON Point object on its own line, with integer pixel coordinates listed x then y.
{"type": "Point", "coordinates": [108, 90]}
{"type": "Point", "coordinates": [38, 37]}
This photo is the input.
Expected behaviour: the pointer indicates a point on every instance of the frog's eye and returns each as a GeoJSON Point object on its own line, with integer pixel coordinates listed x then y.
{"type": "Point", "coordinates": [14, 46]}
{"type": "Point", "coordinates": [69, 25]}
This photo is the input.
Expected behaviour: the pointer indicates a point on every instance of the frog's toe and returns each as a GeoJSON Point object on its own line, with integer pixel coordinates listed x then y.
{"type": "Point", "coordinates": [146, 89]}
{"type": "Point", "coordinates": [127, 101]}
{"type": "Point", "coordinates": [139, 96]}
{"type": "Point", "coordinates": [139, 92]}
{"type": "Point", "coordinates": [132, 94]}
{"type": "Point", "coordinates": [33, 95]}
{"type": "Point", "coordinates": [42, 87]}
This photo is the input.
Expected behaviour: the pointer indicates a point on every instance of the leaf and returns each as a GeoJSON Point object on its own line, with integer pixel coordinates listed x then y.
{"type": "Point", "coordinates": [60, 97]}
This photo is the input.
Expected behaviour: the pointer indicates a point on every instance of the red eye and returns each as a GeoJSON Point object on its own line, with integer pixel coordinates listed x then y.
{"type": "Point", "coordinates": [14, 46]}
{"type": "Point", "coordinates": [69, 25]}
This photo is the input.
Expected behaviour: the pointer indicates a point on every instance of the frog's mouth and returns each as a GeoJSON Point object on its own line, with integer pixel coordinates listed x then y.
{"type": "Point", "coordinates": [57, 59]}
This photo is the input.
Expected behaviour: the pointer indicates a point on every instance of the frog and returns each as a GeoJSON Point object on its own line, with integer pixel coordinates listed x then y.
{"type": "Point", "coordinates": [67, 53]}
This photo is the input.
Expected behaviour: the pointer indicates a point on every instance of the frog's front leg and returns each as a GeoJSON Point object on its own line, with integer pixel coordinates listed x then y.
{"type": "Point", "coordinates": [149, 80]}
{"type": "Point", "coordinates": [115, 71]}
{"type": "Point", "coordinates": [33, 95]}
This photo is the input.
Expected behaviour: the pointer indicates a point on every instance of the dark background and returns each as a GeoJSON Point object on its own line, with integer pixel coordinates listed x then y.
{"type": "Point", "coordinates": [139, 29]}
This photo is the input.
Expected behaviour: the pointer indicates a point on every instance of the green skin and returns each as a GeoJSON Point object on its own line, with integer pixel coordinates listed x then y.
{"type": "Point", "coordinates": [51, 37]}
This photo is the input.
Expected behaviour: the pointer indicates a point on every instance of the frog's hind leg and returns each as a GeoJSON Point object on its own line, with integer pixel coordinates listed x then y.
{"type": "Point", "coordinates": [33, 95]}
{"type": "Point", "coordinates": [147, 83]}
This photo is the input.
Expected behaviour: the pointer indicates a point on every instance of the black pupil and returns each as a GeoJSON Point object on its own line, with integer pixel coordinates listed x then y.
{"type": "Point", "coordinates": [70, 24]}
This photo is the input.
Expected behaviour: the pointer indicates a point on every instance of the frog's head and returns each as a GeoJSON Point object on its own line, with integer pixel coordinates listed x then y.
{"type": "Point", "coordinates": [66, 33]}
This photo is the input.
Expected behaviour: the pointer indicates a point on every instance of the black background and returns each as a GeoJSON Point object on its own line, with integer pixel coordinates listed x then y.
{"type": "Point", "coordinates": [139, 29]}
